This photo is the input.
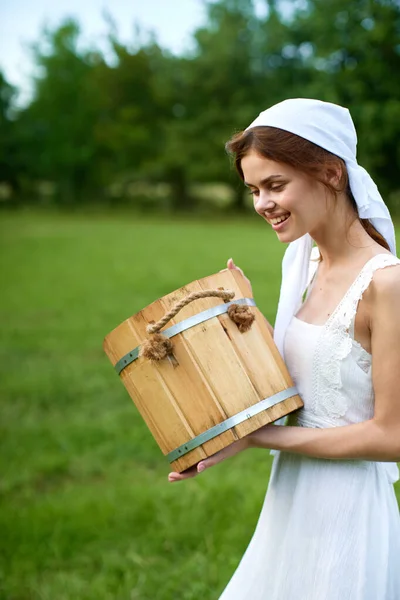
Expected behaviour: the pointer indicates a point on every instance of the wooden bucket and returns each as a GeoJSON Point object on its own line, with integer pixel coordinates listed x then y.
{"type": "Point", "coordinates": [218, 385]}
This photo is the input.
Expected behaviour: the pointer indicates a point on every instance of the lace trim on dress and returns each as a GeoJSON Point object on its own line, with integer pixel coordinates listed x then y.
{"type": "Point", "coordinates": [335, 344]}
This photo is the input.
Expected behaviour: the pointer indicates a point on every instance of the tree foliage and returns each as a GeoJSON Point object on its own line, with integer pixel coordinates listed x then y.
{"type": "Point", "coordinates": [96, 123]}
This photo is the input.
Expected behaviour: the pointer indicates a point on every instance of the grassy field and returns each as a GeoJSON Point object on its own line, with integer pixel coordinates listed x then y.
{"type": "Point", "coordinates": [86, 510]}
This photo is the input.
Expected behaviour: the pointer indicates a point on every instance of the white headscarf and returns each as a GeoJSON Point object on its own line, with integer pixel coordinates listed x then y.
{"type": "Point", "coordinates": [331, 127]}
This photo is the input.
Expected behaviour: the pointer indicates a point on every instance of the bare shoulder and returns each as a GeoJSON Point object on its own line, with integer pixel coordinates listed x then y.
{"type": "Point", "coordinates": [384, 288]}
{"type": "Point", "coordinates": [385, 285]}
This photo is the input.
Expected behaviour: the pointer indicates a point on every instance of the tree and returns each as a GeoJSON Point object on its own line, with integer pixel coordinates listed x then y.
{"type": "Point", "coordinates": [238, 68]}
{"type": "Point", "coordinates": [147, 115]}
{"type": "Point", "coordinates": [10, 160]}
{"type": "Point", "coordinates": [58, 125]}
{"type": "Point", "coordinates": [354, 49]}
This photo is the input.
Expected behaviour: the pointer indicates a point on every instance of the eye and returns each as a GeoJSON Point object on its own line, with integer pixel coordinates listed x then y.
{"type": "Point", "coordinates": [254, 192]}
{"type": "Point", "coordinates": [277, 188]}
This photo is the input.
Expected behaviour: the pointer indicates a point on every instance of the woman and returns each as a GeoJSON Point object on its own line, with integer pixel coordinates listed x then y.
{"type": "Point", "coordinates": [329, 528]}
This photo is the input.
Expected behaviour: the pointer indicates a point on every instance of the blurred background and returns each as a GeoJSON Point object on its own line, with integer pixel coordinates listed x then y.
{"type": "Point", "coordinates": [115, 189]}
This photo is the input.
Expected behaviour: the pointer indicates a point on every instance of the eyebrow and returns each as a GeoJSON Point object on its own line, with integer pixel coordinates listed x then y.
{"type": "Point", "coordinates": [264, 181]}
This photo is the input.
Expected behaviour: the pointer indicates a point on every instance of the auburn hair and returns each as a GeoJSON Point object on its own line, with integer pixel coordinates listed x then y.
{"type": "Point", "coordinates": [286, 147]}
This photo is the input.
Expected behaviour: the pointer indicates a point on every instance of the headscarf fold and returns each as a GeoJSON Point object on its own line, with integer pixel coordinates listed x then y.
{"type": "Point", "coordinates": [331, 127]}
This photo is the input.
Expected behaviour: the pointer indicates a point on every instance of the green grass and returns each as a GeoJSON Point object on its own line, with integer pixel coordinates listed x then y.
{"type": "Point", "coordinates": [86, 509]}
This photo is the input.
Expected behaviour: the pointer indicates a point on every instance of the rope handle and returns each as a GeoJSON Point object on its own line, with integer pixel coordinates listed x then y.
{"type": "Point", "coordinates": [226, 295]}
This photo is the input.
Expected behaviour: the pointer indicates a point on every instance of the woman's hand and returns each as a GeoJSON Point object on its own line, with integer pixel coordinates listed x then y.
{"type": "Point", "coordinates": [230, 450]}
{"type": "Point", "coordinates": [231, 265]}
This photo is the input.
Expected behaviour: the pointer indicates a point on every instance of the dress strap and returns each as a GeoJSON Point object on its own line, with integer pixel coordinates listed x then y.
{"type": "Point", "coordinates": [354, 295]}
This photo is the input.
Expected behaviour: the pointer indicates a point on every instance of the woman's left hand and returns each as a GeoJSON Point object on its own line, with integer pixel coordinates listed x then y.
{"type": "Point", "coordinates": [230, 450]}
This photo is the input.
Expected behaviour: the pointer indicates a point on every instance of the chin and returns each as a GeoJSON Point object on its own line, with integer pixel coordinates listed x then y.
{"type": "Point", "coordinates": [286, 237]}
{"type": "Point", "coordinates": [289, 236]}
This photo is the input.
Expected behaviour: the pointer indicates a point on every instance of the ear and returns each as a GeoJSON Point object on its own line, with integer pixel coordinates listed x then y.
{"type": "Point", "coordinates": [334, 174]}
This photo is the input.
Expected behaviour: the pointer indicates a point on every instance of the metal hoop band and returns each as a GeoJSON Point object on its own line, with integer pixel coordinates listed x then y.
{"type": "Point", "coordinates": [247, 413]}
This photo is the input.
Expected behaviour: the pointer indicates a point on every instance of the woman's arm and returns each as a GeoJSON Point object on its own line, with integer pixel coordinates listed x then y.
{"type": "Point", "coordinates": [362, 441]}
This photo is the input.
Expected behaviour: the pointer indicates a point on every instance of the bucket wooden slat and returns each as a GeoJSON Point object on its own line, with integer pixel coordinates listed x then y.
{"type": "Point", "coordinates": [218, 358]}
{"type": "Point", "coordinates": [216, 371]}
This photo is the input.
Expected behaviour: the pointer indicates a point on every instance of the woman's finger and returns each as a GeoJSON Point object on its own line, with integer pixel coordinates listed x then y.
{"type": "Point", "coordinates": [216, 458]}
{"type": "Point", "coordinates": [223, 454]}
{"type": "Point", "coordinates": [191, 472]}
{"type": "Point", "coordinates": [231, 265]}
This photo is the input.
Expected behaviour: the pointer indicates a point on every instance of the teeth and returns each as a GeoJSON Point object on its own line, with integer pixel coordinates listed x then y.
{"type": "Point", "coordinates": [279, 219]}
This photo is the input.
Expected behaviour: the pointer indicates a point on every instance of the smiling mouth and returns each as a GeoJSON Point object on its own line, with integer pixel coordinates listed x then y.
{"type": "Point", "coordinates": [279, 219]}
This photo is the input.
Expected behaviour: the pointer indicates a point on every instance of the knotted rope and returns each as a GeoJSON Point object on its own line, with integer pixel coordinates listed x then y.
{"type": "Point", "coordinates": [242, 316]}
{"type": "Point", "coordinates": [158, 346]}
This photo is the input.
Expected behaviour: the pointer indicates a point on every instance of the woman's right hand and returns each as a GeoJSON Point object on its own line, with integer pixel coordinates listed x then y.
{"type": "Point", "coordinates": [231, 265]}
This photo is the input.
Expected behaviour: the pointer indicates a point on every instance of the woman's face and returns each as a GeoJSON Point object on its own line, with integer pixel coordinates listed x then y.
{"type": "Point", "coordinates": [279, 189]}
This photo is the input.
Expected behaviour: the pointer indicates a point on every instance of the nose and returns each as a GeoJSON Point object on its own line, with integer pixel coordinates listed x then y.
{"type": "Point", "coordinates": [264, 205]}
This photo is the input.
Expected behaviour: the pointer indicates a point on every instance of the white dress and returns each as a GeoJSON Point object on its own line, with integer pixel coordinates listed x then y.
{"type": "Point", "coordinates": [328, 529]}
